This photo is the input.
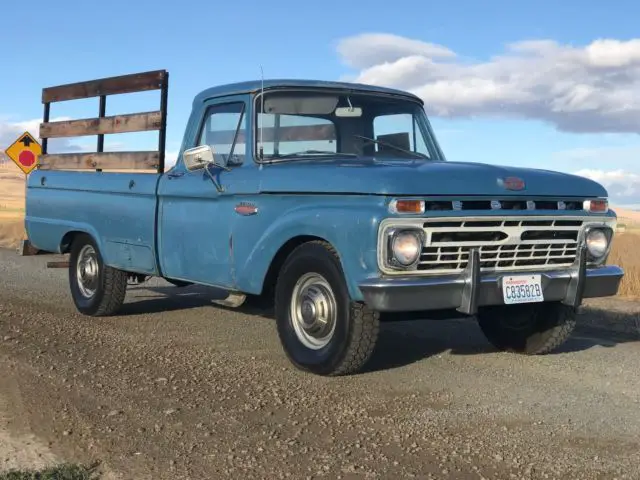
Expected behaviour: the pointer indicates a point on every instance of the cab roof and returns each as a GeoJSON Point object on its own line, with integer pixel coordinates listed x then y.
{"type": "Point", "coordinates": [253, 86]}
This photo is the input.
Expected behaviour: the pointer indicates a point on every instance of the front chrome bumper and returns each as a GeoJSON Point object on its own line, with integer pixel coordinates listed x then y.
{"type": "Point", "coordinates": [471, 289]}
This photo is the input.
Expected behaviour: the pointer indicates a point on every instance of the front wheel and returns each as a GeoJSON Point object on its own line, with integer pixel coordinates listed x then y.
{"type": "Point", "coordinates": [531, 329]}
{"type": "Point", "coordinates": [97, 289]}
{"type": "Point", "coordinates": [321, 330]}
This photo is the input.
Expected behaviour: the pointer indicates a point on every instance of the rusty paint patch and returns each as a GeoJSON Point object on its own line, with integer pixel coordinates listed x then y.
{"type": "Point", "coordinates": [512, 183]}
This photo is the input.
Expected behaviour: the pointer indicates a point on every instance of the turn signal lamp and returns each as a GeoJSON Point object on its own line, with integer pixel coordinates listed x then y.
{"type": "Point", "coordinates": [407, 206]}
{"type": "Point", "coordinates": [600, 205]}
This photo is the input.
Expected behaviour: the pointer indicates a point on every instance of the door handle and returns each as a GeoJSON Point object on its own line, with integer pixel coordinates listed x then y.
{"type": "Point", "coordinates": [175, 174]}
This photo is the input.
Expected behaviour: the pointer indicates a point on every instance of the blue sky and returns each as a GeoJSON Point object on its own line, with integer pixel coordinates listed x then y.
{"type": "Point", "coordinates": [571, 105]}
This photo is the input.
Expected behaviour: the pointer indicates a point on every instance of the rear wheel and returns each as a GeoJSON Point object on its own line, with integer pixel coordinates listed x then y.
{"type": "Point", "coordinates": [96, 289]}
{"type": "Point", "coordinates": [531, 329]}
{"type": "Point", "coordinates": [321, 330]}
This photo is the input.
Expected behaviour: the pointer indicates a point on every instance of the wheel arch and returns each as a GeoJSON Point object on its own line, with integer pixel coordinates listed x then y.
{"type": "Point", "coordinates": [281, 255]}
{"type": "Point", "coordinates": [67, 239]}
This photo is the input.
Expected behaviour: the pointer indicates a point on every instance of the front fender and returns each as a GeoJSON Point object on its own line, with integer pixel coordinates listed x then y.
{"type": "Point", "coordinates": [350, 229]}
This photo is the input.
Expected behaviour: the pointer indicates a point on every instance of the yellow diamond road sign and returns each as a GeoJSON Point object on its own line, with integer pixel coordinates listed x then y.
{"type": "Point", "coordinates": [25, 152]}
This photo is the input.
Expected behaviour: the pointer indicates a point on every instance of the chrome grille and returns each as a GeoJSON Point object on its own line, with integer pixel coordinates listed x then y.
{"type": "Point", "coordinates": [504, 244]}
{"type": "Point", "coordinates": [523, 203]}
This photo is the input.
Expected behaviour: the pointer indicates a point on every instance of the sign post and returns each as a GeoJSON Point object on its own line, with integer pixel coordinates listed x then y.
{"type": "Point", "coordinates": [25, 153]}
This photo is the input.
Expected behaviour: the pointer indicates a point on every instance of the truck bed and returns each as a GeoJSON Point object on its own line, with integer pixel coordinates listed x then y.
{"type": "Point", "coordinates": [117, 209]}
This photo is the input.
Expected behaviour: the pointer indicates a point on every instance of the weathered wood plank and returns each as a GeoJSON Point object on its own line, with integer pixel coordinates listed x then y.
{"type": "Point", "coordinates": [58, 264]}
{"type": "Point", "coordinates": [134, 122]}
{"type": "Point", "coordinates": [136, 82]}
{"type": "Point", "coordinates": [303, 133]}
{"type": "Point", "coordinates": [105, 160]}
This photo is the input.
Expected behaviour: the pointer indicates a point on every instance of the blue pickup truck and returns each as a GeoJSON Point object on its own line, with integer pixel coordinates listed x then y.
{"type": "Point", "coordinates": [331, 201]}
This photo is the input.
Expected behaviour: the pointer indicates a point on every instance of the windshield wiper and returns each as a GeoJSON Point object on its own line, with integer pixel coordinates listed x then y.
{"type": "Point", "coordinates": [312, 152]}
{"type": "Point", "coordinates": [380, 142]}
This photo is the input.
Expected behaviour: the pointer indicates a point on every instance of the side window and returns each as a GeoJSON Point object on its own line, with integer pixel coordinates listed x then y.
{"type": "Point", "coordinates": [399, 129]}
{"type": "Point", "coordinates": [224, 131]}
{"type": "Point", "coordinates": [283, 134]}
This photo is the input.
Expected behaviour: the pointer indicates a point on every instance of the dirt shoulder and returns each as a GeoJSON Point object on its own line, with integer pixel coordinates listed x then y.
{"type": "Point", "coordinates": [19, 447]}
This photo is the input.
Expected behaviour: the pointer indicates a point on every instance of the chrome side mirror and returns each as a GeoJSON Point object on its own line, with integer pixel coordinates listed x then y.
{"type": "Point", "coordinates": [197, 157]}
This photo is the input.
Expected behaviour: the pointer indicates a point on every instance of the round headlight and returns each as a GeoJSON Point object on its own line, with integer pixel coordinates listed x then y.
{"type": "Point", "coordinates": [406, 248]}
{"type": "Point", "coordinates": [597, 243]}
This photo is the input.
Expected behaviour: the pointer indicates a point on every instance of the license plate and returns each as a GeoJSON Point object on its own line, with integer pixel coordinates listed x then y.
{"type": "Point", "coordinates": [522, 289]}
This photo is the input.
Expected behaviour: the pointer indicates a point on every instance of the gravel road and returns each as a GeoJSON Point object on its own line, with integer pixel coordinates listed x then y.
{"type": "Point", "coordinates": [177, 387]}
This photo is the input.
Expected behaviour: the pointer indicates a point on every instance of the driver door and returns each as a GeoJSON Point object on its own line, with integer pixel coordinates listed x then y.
{"type": "Point", "coordinates": [196, 211]}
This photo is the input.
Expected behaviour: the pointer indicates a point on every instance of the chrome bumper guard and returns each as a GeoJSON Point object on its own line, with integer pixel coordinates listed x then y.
{"type": "Point", "coordinates": [472, 289]}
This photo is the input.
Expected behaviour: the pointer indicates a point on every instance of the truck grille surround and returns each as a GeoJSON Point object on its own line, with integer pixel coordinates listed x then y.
{"type": "Point", "coordinates": [504, 243]}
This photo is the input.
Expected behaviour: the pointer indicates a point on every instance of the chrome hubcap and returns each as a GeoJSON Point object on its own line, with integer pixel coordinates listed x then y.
{"type": "Point", "coordinates": [313, 311]}
{"type": "Point", "coordinates": [87, 271]}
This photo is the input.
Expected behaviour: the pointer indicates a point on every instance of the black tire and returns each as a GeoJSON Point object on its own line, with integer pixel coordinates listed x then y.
{"type": "Point", "coordinates": [531, 329]}
{"type": "Point", "coordinates": [109, 287]}
{"type": "Point", "coordinates": [356, 325]}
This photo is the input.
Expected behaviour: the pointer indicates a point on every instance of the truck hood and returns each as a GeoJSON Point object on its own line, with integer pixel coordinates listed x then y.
{"type": "Point", "coordinates": [425, 178]}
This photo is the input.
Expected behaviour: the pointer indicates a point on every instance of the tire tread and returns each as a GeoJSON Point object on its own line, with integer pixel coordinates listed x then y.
{"type": "Point", "coordinates": [115, 290]}
{"type": "Point", "coordinates": [364, 337]}
{"type": "Point", "coordinates": [560, 333]}
{"type": "Point", "coordinates": [556, 322]}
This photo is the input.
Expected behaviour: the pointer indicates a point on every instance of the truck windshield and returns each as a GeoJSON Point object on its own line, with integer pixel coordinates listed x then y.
{"type": "Point", "coordinates": [292, 124]}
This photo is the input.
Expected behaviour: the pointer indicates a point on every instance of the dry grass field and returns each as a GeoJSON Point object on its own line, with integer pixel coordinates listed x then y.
{"type": "Point", "coordinates": [626, 247]}
{"type": "Point", "coordinates": [12, 184]}
{"type": "Point", "coordinates": [626, 253]}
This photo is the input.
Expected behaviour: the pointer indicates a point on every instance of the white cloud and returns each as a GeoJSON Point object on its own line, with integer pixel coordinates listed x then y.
{"type": "Point", "coordinates": [623, 186]}
{"type": "Point", "coordinates": [592, 88]}
{"type": "Point", "coordinates": [170, 158]}
{"type": "Point", "coordinates": [368, 50]}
